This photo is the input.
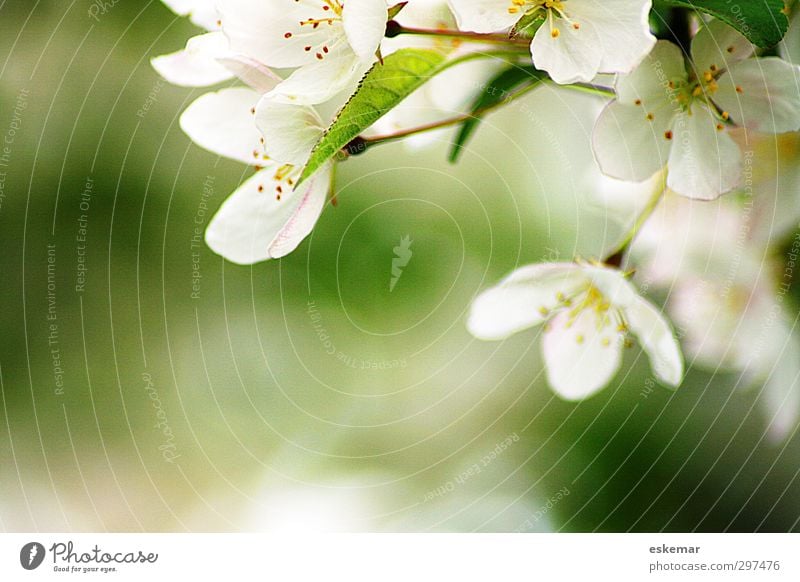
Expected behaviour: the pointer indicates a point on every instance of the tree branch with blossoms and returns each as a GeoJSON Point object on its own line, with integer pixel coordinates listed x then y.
{"type": "Point", "coordinates": [683, 86]}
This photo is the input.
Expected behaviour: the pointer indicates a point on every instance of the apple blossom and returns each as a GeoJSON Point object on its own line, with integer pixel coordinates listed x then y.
{"type": "Point", "coordinates": [330, 44]}
{"type": "Point", "coordinates": [268, 216]}
{"type": "Point", "coordinates": [722, 277]}
{"type": "Point", "coordinates": [742, 327]}
{"type": "Point", "coordinates": [207, 58]}
{"type": "Point", "coordinates": [590, 312]}
{"type": "Point", "coordinates": [677, 114]}
{"type": "Point", "coordinates": [578, 39]}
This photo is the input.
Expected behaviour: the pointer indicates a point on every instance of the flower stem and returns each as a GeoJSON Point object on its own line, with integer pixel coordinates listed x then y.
{"type": "Point", "coordinates": [378, 140]}
{"type": "Point", "coordinates": [591, 89]}
{"type": "Point", "coordinates": [679, 27]}
{"type": "Point", "coordinates": [616, 256]}
{"type": "Point", "coordinates": [394, 29]}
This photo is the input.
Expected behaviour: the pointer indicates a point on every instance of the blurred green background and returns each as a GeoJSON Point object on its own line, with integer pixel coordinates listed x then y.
{"type": "Point", "coordinates": [303, 394]}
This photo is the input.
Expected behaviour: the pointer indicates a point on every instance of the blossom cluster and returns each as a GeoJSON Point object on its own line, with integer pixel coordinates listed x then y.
{"type": "Point", "coordinates": [684, 114]}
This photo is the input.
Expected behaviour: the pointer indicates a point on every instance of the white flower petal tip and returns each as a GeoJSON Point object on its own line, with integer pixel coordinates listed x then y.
{"type": "Point", "coordinates": [582, 356]}
{"type": "Point", "coordinates": [207, 60]}
{"type": "Point", "coordinates": [364, 24]}
{"type": "Point", "coordinates": [658, 341]}
{"type": "Point", "coordinates": [197, 65]}
{"type": "Point", "coordinates": [591, 313]}
{"type": "Point", "coordinates": [202, 13]}
{"type": "Point", "coordinates": [579, 38]}
{"type": "Point", "coordinates": [762, 95]}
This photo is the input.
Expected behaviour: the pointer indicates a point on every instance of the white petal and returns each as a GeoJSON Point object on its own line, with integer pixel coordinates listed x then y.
{"type": "Point", "coordinates": [252, 225]}
{"type": "Point", "coordinates": [581, 356]}
{"type": "Point", "coordinates": [571, 56]}
{"type": "Point", "coordinates": [685, 238]}
{"type": "Point", "coordinates": [719, 46]}
{"type": "Point", "coordinates": [778, 212]}
{"type": "Point", "coordinates": [290, 131]}
{"type": "Point", "coordinates": [657, 339]}
{"type": "Point", "coordinates": [623, 29]}
{"type": "Point", "coordinates": [224, 123]}
{"type": "Point", "coordinates": [630, 146]}
{"type": "Point", "coordinates": [483, 15]}
{"type": "Point", "coordinates": [197, 64]}
{"type": "Point", "coordinates": [365, 25]}
{"type": "Point", "coordinates": [768, 99]}
{"type": "Point", "coordinates": [720, 317]}
{"type": "Point", "coordinates": [320, 81]}
{"type": "Point", "coordinates": [256, 75]}
{"type": "Point", "coordinates": [201, 12]}
{"type": "Point", "coordinates": [649, 82]}
{"type": "Point", "coordinates": [704, 162]}
{"type": "Point", "coordinates": [522, 300]}
{"type": "Point", "coordinates": [270, 31]}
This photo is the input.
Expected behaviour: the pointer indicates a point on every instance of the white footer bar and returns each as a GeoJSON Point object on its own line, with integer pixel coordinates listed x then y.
{"type": "Point", "coordinates": [399, 557]}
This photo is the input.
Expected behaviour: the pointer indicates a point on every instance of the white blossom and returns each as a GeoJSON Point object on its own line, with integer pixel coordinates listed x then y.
{"type": "Point", "coordinates": [742, 327]}
{"type": "Point", "coordinates": [207, 58]}
{"type": "Point", "coordinates": [578, 39]}
{"type": "Point", "coordinates": [268, 216]}
{"type": "Point", "coordinates": [590, 311]}
{"type": "Point", "coordinates": [676, 114]}
{"type": "Point", "coordinates": [330, 44]}
{"type": "Point", "coordinates": [724, 294]}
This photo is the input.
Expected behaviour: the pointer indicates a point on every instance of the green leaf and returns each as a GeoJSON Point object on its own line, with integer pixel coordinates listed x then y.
{"type": "Point", "coordinates": [499, 89]}
{"type": "Point", "coordinates": [527, 26]}
{"type": "Point", "coordinates": [382, 89]}
{"type": "Point", "coordinates": [763, 22]}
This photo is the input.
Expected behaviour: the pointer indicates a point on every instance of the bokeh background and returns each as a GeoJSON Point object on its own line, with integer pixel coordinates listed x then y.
{"type": "Point", "coordinates": [161, 389]}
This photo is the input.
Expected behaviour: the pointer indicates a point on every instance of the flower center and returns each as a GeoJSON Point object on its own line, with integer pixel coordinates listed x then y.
{"type": "Point", "coordinates": [683, 94]}
{"type": "Point", "coordinates": [608, 319]}
{"type": "Point", "coordinates": [327, 13]}
{"type": "Point", "coordinates": [553, 12]}
{"type": "Point", "coordinates": [701, 89]}
{"type": "Point", "coordinates": [333, 7]}
{"type": "Point", "coordinates": [284, 179]}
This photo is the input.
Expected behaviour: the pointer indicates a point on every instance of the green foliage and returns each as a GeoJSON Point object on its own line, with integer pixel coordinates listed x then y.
{"type": "Point", "coordinates": [381, 90]}
{"type": "Point", "coordinates": [763, 22]}
{"type": "Point", "coordinates": [527, 26]}
{"type": "Point", "coordinates": [498, 90]}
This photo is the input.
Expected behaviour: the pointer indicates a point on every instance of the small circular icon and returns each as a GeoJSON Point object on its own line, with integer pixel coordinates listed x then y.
{"type": "Point", "coordinates": [31, 555]}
